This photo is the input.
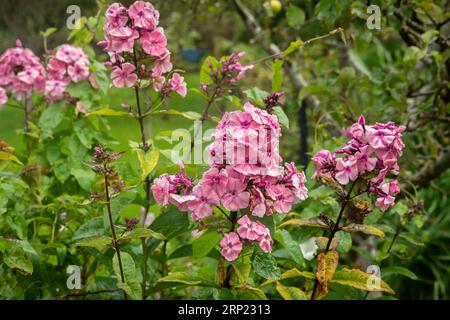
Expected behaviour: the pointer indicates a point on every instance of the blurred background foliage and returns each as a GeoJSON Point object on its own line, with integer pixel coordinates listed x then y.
{"type": "Point", "coordinates": [399, 72]}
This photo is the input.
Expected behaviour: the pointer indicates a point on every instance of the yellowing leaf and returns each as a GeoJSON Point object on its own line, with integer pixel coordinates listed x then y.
{"type": "Point", "coordinates": [147, 161]}
{"type": "Point", "coordinates": [304, 223]}
{"type": "Point", "coordinates": [360, 280]}
{"type": "Point", "coordinates": [327, 264]}
{"type": "Point", "coordinates": [364, 228]}
{"type": "Point", "coordinates": [292, 273]}
{"type": "Point", "coordinates": [9, 157]}
{"type": "Point", "coordinates": [255, 292]}
{"type": "Point", "coordinates": [293, 46]}
{"type": "Point", "coordinates": [108, 112]}
{"type": "Point", "coordinates": [290, 293]}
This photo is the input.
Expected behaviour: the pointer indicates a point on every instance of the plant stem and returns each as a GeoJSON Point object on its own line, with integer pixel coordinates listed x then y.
{"type": "Point", "coordinates": [27, 127]}
{"type": "Point", "coordinates": [147, 182]}
{"type": "Point", "coordinates": [113, 230]}
{"type": "Point", "coordinates": [229, 270]}
{"type": "Point", "coordinates": [333, 232]}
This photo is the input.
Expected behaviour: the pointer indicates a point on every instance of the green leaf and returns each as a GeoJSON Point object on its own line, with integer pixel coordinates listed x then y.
{"type": "Point", "coordinates": [84, 177]}
{"type": "Point", "coordinates": [284, 237]}
{"type": "Point", "coordinates": [364, 228]}
{"type": "Point", "coordinates": [131, 285]}
{"type": "Point", "coordinates": [177, 279]}
{"type": "Point", "coordinates": [48, 32]}
{"type": "Point", "coordinates": [277, 79]}
{"type": "Point", "coordinates": [282, 117]}
{"type": "Point", "coordinates": [290, 293]}
{"type": "Point", "coordinates": [183, 251]}
{"type": "Point", "coordinates": [293, 46]}
{"type": "Point", "coordinates": [205, 243]}
{"type": "Point", "coordinates": [257, 95]}
{"type": "Point", "coordinates": [171, 223]}
{"type": "Point", "coordinates": [200, 93]}
{"type": "Point", "coordinates": [429, 36]}
{"type": "Point", "coordinates": [345, 241]}
{"type": "Point", "coordinates": [96, 242]}
{"type": "Point", "coordinates": [205, 70]}
{"type": "Point", "coordinates": [190, 115]}
{"type": "Point", "coordinates": [295, 15]}
{"type": "Point", "coordinates": [139, 233]}
{"type": "Point", "coordinates": [401, 271]}
{"type": "Point", "coordinates": [265, 265]}
{"type": "Point", "coordinates": [52, 116]}
{"type": "Point", "coordinates": [360, 280]}
{"type": "Point", "coordinates": [292, 273]}
{"type": "Point", "coordinates": [109, 112]}
{"type": "Point", "coordinates": [118, 205]}
{"type": "Point", "coordinates": [90, 228]}
{"type": "Point", "coordinates": [242, 267]}
{"type": "Point", "coordinates": [16, 258]}
{"type": "Point", "coordinates": [359, 64]}
{"type": "Point", "coordinates": [147, 161]}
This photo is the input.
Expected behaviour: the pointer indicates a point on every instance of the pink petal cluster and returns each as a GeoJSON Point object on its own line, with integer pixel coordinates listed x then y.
{"type": "Point", "coordinates": [228, 73]}
{"type": "Point", "coordinates": [174, 189]}
{"type": "Point", "coordinates": [133, 34]}
{"type": "Point", "coordinates": [371, 149]}
{"type": "Point", "coordinates": [244, 173]}
{"type": "Point", "coordinates": [21, 72]}
{"type": "Point", "coordinates": [69, 64]}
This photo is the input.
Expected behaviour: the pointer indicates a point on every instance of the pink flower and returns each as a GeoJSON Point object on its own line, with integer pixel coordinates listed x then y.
{"type": "Point", "coordinates": [235, 197]}
{"type": "Point", "coordinates": [205, 197]}
{"type": "Point", "coordinates": [282, 196]}
{"type": "Point", "coordinates": [3, 97]}
{"type": "Point", "coordinates": [384, 202]}
{"type": "Point", "coordinates": [178, 85]}
{"type": "Point", "coordinates": [81, 108]}
{"type": "Point", "coordinates": [160, 189]}
{"type": "Point", "coordinates": [121, 39]}
{"type": "Point", "coordinates": [54, 90]}
{"type": "Point", "coordinates": [325, 163]}
{"type": "Point", "coordinates": [217, 178]}
{"type": "Point", "coordinates": [346, 170]}
{"type": "Point", "coordinates": [78, 71]}
{"type": "Point", "coordinates": [364, 162]}
{"type": "Point", "coordinates": [144, 15]}
{"type": "Point", "coordinates": [123, 76]}
{"type": "Point", "coordinates": [154, 42]}
{"type": "Point", "coordinates": [247, 229]}
{"type": "Point", "coordinates": [265, 239]}
{"type": "Point", "coordinates": [231, 246]}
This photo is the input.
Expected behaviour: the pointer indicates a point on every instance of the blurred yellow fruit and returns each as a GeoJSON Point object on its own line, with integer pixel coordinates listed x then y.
{"type": "Point", "coordinates": [276, 6]}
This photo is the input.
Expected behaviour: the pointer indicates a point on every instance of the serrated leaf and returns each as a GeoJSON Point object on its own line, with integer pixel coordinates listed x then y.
{"type": "Point", "coordinates": [290, 293]}
{"type": "Point", "coordinates": [358, 279]}
{"type": "Point", "coordinates": [364, 228]}
{"type": "Point", "coordinates": [205, 243]}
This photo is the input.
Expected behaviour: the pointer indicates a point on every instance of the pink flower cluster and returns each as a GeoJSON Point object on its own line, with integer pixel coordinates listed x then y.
{"type": "Point", "coordinates": [371, 149]}
{"type": "Point", "coordinates": [69, 64]}
{"type": "Point", "coordinates": [248, 232]}
{"type": "Point", "coordinates": [21, 71]}
{"type": "Point", "coordinates": [132, 34]}
{"type": "Point", "coordinates": [244, 173]}
{"type": "Point", "coordinates": [228, 72]}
